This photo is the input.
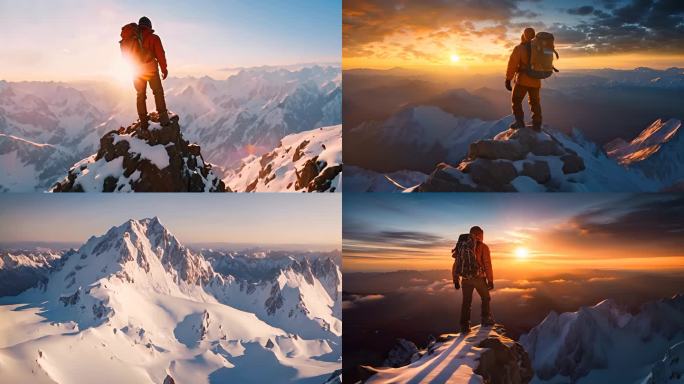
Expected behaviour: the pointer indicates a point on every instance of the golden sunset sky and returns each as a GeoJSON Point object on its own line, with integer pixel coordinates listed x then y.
{"type": "Point", "coordinates": [528, 235]}
{"type": "Point", "coordinates": [479, 35]}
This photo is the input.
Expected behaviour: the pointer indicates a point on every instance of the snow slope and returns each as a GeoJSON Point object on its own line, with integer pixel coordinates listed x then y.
{"type": "Point", "coordinates": [137, 305]}
{"type": "Point", "coordinates": [658, 151]}
{"type": "Point", "coordinates": [604, 343]}
{"type": "Point", "coordinates": [462, 358]}
{"type": "Point", "coordinates": [305, 161]}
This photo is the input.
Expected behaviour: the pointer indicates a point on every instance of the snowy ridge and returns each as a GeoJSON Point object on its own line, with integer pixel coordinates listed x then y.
{"type": "Point", "coordinates": [247, 113]}
{"type": "Point", "coordinates": [604, 343]}
{"type": "Point", "coordinates": [463, 358]}
{"type": "Point", "coordinates": [306, 161]}
{"type": "Point", "coordinates": [658, 151]}
{"type": "Point", "coordinates": [137, 304]}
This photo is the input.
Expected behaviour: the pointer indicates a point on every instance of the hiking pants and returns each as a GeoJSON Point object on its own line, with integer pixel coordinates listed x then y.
{"type": "Point", "coordinates": [480, 285]}
{"type": "Point", "coordinates": [519, 92]}
{"type": "Point", "coordinates": [140, 84]}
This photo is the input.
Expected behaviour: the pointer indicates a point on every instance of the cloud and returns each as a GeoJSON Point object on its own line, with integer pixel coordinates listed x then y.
{"type": "Point", "coordinates": [581, 11]}
{"type": "Point", "coordinates": [353, 300]}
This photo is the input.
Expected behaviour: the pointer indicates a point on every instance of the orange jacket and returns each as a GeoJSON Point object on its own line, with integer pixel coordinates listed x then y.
{"type": "Point", "coordinates": [484, 259]}
{"type": "Point", "coordinates": [518, 62]}
{"type": "Point", "coordinates": [152, 43]}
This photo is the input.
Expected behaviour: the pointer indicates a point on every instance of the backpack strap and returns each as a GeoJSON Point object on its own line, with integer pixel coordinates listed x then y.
{"type": "Point", "coordinates": [528, 45]}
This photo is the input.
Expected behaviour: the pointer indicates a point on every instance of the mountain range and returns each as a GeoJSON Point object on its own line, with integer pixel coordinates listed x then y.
{"type": "Point", "coordinates": [46, 127]}
{"type": "Point", "coordinates": [406, 151]}
{"type": "Point", "coordinates": [137, 304]}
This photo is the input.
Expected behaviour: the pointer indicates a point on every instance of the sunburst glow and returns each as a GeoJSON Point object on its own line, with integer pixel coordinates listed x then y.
{"type": "Point", "coordinates": [522, 253]}
{"type": "Point", "coordinates": [455, 58]}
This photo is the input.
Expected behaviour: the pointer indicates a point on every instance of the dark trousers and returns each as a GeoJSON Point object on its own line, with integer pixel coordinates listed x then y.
{"type": "Point", "coordinates": [140, 84]}
{"type": "Point", "coordinates": [517, 97]}
{"type": "Point", "coordinates": [480, 285]}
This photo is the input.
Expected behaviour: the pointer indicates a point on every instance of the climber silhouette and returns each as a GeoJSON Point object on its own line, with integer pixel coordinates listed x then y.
{"type": "Point", "coordinates": [144, 49]}
{"type": "Point", "coordinates": [472, 270]}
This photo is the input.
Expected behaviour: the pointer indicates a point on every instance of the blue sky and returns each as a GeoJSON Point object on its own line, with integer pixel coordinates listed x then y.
{"type": "Point", "coordinates": [78, 39]}
{"type": "Point", "coordinates": [534, 232]}
{"type": "Point", "coordinates": [266, 219]}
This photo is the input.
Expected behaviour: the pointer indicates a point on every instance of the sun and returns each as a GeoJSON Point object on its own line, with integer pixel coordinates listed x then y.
{"type": "Point", "coordinates": [521, 253]}
{"type": "Point", "coordinates": [455, 58]}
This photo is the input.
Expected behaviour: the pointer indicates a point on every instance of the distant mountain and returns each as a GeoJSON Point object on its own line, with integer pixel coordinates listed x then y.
{"type": "Point", "coordinates": [309, 161]}
{"type": "Point", "coordinates": [606, 343]}
{"type": "Point", "coordinates": [245, 114]}
{"type": "Point", "coordinates": [21, 269]}
{"type": "Point", "coordinates": [427, 149]}
{"type": "Point", "coordinates": [137, 304]}
{"type": "Point", "coordinates": [658, 151]}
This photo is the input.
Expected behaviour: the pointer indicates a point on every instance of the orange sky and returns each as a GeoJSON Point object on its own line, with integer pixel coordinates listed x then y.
{"type": "Point", "coordinates": [479, 36]}
{"type": "Point", "coordinates": [528, 235]}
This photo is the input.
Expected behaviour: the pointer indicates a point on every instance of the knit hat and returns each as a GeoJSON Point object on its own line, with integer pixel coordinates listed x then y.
{"type": "Point", "coordinates": [145, 22]}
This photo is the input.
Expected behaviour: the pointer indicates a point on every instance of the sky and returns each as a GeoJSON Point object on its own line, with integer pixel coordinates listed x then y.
{"type": "Point", "coordinates": [527, 233]}
{"type": "Point", "coordinates": [70, 40]}
{"type": "Point", "coordinates": [250, 219]}
{"type": "Point", "coordinates": [479, 34]}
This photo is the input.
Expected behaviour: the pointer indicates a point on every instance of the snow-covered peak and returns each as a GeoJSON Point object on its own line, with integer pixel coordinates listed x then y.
{"type": "Point", "coordinates": [307, 161]}
{"type": "Point", "coordinates": [646, 143]}
{"type": "Point", "coordinates": [604, 339]}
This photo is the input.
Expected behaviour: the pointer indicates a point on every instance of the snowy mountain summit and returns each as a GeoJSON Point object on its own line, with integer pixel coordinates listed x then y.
{"type": "Point", "coordinates": [139, 305]}
{"type": "Point", "coordinates": [514, 160]}
{"type": "Point", "coordinates": [309, 161]}
{"type": "Point", "coordinates": [484, 355]}
{"type": "Point", "coordinates": [135, 159]}
{"type": "Point", "coordinates": [608, 343]}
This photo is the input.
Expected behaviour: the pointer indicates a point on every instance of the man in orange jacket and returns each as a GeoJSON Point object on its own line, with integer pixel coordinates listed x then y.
{"type": "Point", "coordinates": [483, 282]}
{"type": "Point", "coordinates": [524, 84]}
{"type": "Point", "coordinates": [155, 58]}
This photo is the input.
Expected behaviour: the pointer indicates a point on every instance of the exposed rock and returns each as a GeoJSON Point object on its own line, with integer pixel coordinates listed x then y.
{"type": "Point", "coordinates": [169, 380]}
{"type": "Point", "coordinates": [446, 178]}
{"type": "Point", "coordinates": [492, 149]}
{"type": "Point", "coordinates": [403, 353]}
{"type": "Point", "coordinates": [494, 175]}
{"type": "Point", "coordinates": [516, 159]}
{"type": "Point", "coordinates": [572, 163]}
{"type": "Point", "coordinates": [537, 170]}
{"type": "Point", "coordinates": [504, 362]}
{"type": "Point", "coordinates": [155, 159]}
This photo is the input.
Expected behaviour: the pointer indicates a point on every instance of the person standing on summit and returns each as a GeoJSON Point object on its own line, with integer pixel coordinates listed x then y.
{"type": "Point", "coordinates": [140, 44]}
{"type": "Point", "coordinates": [472, 270]}
{"type": "Point", "coordinates": [525, 84]}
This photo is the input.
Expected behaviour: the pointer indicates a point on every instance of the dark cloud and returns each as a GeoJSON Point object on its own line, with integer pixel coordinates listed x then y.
{"type": "Point", "coordinates": [642, 219]}
{"type": "Point", "coordinates": [581, 11]}
{"type": "Point", "coordinates": [371, 21]}
{"type": "Point", "coordinates": [607, 26]}
{"type": "Point", "coordinates": [639, 25]}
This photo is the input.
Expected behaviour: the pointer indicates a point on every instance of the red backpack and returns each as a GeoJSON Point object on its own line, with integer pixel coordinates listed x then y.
{"type": "Point", "coordinates": [131, 44]}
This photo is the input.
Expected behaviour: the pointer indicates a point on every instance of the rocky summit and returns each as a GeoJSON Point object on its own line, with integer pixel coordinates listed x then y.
{"type": "Point", "coordinates": [483, 355]}
{"type": "Point", "coordinates": [137, 159]}
{"type": "Point", "coordinates": [514, 160]}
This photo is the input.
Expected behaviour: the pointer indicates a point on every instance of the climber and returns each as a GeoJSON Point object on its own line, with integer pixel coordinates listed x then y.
{"type": "Point", "coordinates": [144, 49]}
{"type": "Point", "coordinates": [472, 270]}
{"type": "Point", "coordinates": [524, 83]}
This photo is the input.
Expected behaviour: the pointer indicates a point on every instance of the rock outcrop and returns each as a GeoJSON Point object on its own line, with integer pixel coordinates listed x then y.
{"type": "Point", "coordinates": [515, 160]}
{"type": "Point", "coordinates": [135, 159]}
{"type": "Point", "coordinates": [485, 354]}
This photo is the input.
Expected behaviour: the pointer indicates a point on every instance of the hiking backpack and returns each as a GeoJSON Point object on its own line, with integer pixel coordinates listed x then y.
{"type": "Point", "coordinates": [540, 51]}
{"type": "Point", "coordinates": [466, 262]}
{"type": "Point", "coordinates": [131, 44]}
